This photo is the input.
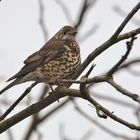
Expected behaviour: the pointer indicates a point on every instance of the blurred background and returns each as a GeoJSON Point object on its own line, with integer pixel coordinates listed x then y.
{"type": "Point", "coordinates": [26, 25]}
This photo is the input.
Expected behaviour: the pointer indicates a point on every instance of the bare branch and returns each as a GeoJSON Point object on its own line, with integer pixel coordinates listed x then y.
{"type": "Point", "coordinates": [137, 113]}
{"type": "Point", "coordinates": [41, 19]}
{"type": "Point", "coordinates": [65, 10]}
{"type": "Point", "coordinates": [51, 99]}
{"type": "Point", "coordinates": [17, 101]}
{"type": "Point", "coordinates": [10, 134]}
{"type": "Point", "coordinates": [130, 62]}
{"type": "Point", "coordinates": [97, 79]}
{"type": "Point", "coordinates": [111, 115]}
{"type": "Point", "coordinates": [84, 9]}
{"type": "Point", "coordinates": [133, 96]}
{"type": "Point", "coordinates": [89, 33]}
{"type": "Point", "coordinates": [115, 67]}
{"type": "Point", "coordinates": [126, 20]}
{"type": "Point", "coordinates": [128, 35]}
{"type": "Point", "coordinates": [86, 94]}
{"type": "Point", "coordinates": [86, 136]}
{"type": "Point", "coordinates": [134, 72]}
{"type": "Point", "coordinates": [104, 128]}
{"type": "Point", "coordinates": [104, 47]}
{"type": "Point", "coordinates": [40, 135]}
{"type": "Point", "coordinates": [114, 100]}
{"type": "Point", "coordinates": [127, 66]}
{"type": "Point", "coordinates": [45, 89]}
{"type": "Point", "coordinates": [123, 13]}
{"type": "Point", "coordinates": [40, 120]}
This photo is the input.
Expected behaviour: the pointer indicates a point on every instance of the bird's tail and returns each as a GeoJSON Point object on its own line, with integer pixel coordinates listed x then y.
{"type": "Point", "coordinates": [15, 82]}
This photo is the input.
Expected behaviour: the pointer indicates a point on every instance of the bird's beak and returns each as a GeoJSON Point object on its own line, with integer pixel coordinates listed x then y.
{"type": "Point", "coordinates": [74, 32]}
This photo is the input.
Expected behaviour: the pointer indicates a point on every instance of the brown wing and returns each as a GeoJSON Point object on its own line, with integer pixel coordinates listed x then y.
{"type": "Point", "coordinates": [48, 52]}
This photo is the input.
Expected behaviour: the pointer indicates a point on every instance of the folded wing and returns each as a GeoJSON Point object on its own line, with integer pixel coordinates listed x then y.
{"type": "Point", "coordinates": [48, 52]}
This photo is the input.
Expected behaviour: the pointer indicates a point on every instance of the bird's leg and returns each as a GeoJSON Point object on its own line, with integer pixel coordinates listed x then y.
{"type": "Point", "coordinates": [51, 87]}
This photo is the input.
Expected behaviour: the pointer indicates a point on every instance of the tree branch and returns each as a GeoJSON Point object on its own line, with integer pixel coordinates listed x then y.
{"type": "Point", "coordinates": [98, 79]}
{"type": "Point", "coordinates": [34, 108]}
{"type": "Point", "coordinates": [115, 67]}
{"type": "Point", "coordinates": [109, 42]}
{"type": "Point", "coordinates": [123, 13]}
{"type": "Point", "coordinates": [40, 120]}
{"type": "Point", "coordinates": [128, 35]}
{"type": "Point", "coordinates": [17, 101]}
{"type": "Point", "coordinates": [133, 96]}
{"type": "Point", "coordinates": [65, 10]}
{"type": "Point", "coordinates": [84, 9]}
{"type": "Point", "coordinates": [41, 19]}
{"type": "Point", "coordinates": [105, 129]}
{"type": "Point", "coordinates": [126, 20]}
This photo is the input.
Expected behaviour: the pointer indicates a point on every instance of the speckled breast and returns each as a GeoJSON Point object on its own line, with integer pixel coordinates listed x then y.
{"type": "Point", "coordinates": [62, 67]}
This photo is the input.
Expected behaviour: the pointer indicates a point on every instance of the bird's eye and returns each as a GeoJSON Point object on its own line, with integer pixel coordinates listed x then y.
{"type": "Point", "coordinates": [64, 32]}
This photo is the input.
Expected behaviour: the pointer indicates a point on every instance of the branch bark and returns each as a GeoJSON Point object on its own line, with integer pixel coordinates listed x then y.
{"type": "Point", "coordinates": [34, 108]}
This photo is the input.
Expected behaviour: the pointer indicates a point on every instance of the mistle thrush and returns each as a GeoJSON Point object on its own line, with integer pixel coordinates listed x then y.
{"type": "Point", "coordinates": [59, 58]}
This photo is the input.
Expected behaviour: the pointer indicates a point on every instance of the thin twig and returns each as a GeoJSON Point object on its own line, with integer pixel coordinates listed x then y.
{"type": "Point", "coordinates": [17, 101]}
{"type": "Point", "coordinates": [41, 19]}
{"type": "Point", "coordinates": [87, 135]}
{"type": "Point", "coordinates": [130, 62]}
{"type": "Point", "coordinates": [40, 135]}
{"type": "Point", "coordinates": [51, 99]}
{"type": "Point", "coordinates": [10, 134]}
{"type": "Point", "coordinates": [126, 20]}
{"type": "Point", "coordinates": [113, 100]}
{"type": "Point", "coordinates": [111, 115]}
{"type": "Point", "coordinates": [127, 66]}
{"type": "Point", "coordinates": [104, 128]}
{"type": "Point", "coordinates": [137, 113]}
{"type": "Point", "coordinates": [89, 33]}
{"type": "Point", "coordinates": [85, 93]}
{"type": "Point", "coordinates": [123, 13]}
{"type": "Point", "coordinates": [133, 72]}
{"type": "Point", "coordinates": [45, 88]}
{"type": "Point", "coordinates": [127, 35]}
{"type": "Point", "coordinates": [63, 136]}
{"type": "Point", "coordinates": [65, 10]}
{"type": "Point", "coordinates": [102, 48]}
{"type": "Point", "coordinates": [124, 91]}
{"type": "Point", "coordinates": [82, 13]}
{"type": "Point", "coordinates": [38, 121]}
{"type": "Point", "coordinates": [97, 79]}
{"type": "Point", "coordinates": [129, 47]}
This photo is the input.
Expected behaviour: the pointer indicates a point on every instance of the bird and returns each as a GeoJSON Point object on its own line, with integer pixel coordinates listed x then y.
{"type": "Point", "coordinates": [59, 58]}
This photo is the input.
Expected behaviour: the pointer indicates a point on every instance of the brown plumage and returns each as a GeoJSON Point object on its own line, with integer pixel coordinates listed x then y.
{"type": "Point", "coordinates": [59, 58]}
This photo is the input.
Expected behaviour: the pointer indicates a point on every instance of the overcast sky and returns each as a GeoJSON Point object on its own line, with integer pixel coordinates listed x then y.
{"type": "Point", "coordinates": [21, 35]}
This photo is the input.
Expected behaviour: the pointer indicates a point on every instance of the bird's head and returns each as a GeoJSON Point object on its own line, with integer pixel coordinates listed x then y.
{"type": "Point", "coordinates": [66, 33]}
